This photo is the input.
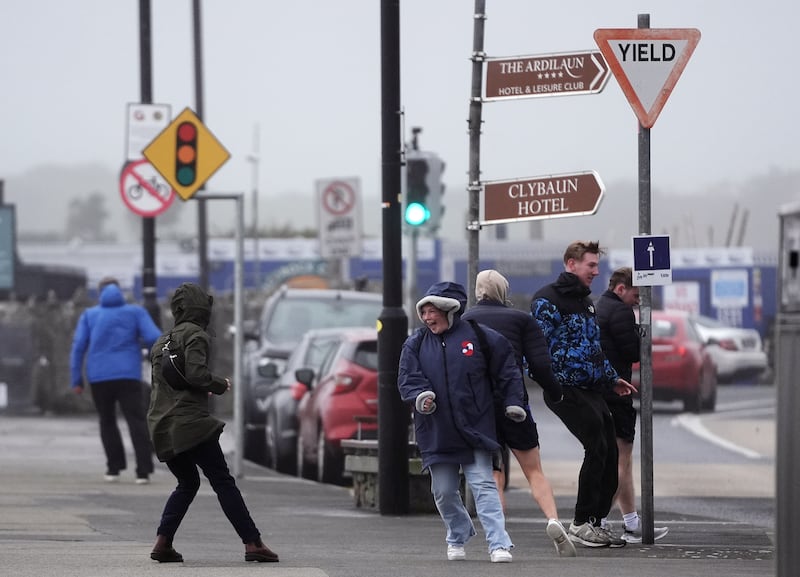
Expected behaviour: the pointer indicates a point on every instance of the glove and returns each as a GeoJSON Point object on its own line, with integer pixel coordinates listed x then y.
{"type": "Point", "coordinates": [516, 413]}
{"type": "Point", "coordinates": [420, 401]}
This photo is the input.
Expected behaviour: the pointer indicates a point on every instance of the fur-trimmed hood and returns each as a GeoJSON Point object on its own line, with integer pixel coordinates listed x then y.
{"type": "Point", "coordinates": [449, 297]}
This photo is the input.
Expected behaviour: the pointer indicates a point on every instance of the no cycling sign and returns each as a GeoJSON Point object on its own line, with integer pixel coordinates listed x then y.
{"type": "Point", "coordinates": [144, 190]}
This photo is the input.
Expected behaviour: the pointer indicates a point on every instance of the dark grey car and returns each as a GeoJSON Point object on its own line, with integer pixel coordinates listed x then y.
{"type": "Point", "coordinates": [287, 315]}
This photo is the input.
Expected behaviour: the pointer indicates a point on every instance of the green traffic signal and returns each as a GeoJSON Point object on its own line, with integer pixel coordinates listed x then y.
{"type": "Point", "coordinates": [417, 214]}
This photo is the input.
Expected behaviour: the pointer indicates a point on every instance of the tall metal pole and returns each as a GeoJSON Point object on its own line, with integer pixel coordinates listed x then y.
{"type": "Point", "coordinates": [238, 317]}
{"type": "Point", "coordinates": [202, 217]}
{"type": "Point", "coordinates": [393, 414]}
{"type": "Point", "coordinates": [645, 321]}
{"type": "Point", "coordinates": [238, 338]}
{"type": "Point", "coordinates": [149, 287]}
{"type": "Point", "coordinates": [787, 365]}
{"type": "Point", "coordinates": [254, 159]}
{"type": "Point", "coordinates": [475, 112]}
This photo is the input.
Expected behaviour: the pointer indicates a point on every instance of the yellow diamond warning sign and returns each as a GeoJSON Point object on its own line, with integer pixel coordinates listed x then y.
{"type": "Point", "coordinates": [186, 154]}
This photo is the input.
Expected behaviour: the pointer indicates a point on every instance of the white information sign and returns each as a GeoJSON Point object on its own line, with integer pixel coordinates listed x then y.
{"type": "Point", "coordinates": [145, 122]}
{"type": "Point", "coordinates": [339, 217]}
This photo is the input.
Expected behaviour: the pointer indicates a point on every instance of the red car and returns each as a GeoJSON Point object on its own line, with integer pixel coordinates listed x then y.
{"type": "Point", "coordinates": [340, 403]}
{"type": "Point", "coordinates": [683, 368]}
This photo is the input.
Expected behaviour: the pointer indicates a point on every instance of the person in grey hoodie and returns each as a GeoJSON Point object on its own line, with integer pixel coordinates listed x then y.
{"type": "Point", "coordinates": [185, 433]}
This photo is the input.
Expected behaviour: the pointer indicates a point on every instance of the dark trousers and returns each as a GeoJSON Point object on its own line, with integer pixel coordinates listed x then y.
{"type": "Point", "coordinates": [210, 458]}
{"type": "Point", "coordinates": [586, 415]}
{"type": "Point", "coordinates": [128, 394]}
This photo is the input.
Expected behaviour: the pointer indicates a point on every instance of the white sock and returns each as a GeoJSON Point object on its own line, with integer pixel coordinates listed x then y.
{"type": "Point", "coordinates": [604, 522]}
{"type": "Point", "coordinates": [631, 521]}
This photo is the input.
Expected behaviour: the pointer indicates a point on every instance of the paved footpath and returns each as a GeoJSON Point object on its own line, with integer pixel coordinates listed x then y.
{"type": "Point", "coordinates": [58, 518]}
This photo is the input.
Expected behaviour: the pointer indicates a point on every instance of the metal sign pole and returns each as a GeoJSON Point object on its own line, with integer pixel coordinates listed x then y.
{"type": "Point", "coordinates": [238, 340]}
{"type": "Point", "coordinates": [645, 322]}
{"type": "Point", "coordinates": [475, 115]}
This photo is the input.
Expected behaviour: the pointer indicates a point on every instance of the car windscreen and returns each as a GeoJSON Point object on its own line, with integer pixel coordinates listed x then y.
{"type": "Point", "coordinates": [367, 355]}
{"type": "Point", "coordinates": [292, 318]}
{"type": "Point", "coordinates": [710, 323]}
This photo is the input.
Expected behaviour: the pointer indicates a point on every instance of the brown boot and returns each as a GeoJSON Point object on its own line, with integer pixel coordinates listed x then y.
{"type": "Point", "coordinates": [257, 551]}
{"type": "Point", "coordinates": [163, 551]}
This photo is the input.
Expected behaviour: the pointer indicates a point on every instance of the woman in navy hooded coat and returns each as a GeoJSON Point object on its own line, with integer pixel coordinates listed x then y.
{"type": "Point", "coordinates": [450, 381]}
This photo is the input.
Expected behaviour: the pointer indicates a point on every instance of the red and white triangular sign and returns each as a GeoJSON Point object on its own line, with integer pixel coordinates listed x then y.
{"type": "Point", "coordinates": [647, 63]}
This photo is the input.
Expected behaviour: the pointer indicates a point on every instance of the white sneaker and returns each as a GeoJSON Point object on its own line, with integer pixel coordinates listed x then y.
{"type": "Point", "coordinates": [561, 540]}
{"type": "Point", "coordinates": [500, 556]}
{"type": "Point", "coordinates": [142, 480]}
{"type": "Point", "coordinates": [110, 478]}
{"type": "Point", "coordinates": [456, 553]}
{"type": "Point", "coordinates": [636, 536]}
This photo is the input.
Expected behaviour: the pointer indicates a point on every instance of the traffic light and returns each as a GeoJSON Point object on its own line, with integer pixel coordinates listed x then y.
{"type": "Point", "coordinates": [186, 153]}
{"type": "Point", "coordinates": [416, 211]}
{"type": "Point", "coordinates": [422, 208]}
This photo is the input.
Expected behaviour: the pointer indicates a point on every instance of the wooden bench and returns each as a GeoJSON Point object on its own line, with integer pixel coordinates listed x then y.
{"type": "Point", "coordinates": [361, 462]}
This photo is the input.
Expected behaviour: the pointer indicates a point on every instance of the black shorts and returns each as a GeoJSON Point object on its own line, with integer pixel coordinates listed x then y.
{"type": "Point", "coordinates": [521, 436]}
{"type": "Point", "coordinates": [624, 416]}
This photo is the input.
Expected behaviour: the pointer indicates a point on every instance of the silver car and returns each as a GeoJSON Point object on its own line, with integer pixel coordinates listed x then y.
{"type": "Point", "coordinates": [737, 352]}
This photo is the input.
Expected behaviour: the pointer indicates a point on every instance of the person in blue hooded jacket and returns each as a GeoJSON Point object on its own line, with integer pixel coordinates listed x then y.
{"type": "Point", "coordinates": [107, 350]}
{"type": "Point", "coordinates": [450, 379]}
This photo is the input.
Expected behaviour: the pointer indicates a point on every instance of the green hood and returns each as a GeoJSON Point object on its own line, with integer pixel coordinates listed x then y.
{"type": "Point", "coordinates": [190, 303]}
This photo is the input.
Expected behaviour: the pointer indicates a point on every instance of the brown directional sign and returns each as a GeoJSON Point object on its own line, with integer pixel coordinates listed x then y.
{"type": "Point", "coordinates": [545, 75]}
{"type": "Point", "coordinates": [541, 197]}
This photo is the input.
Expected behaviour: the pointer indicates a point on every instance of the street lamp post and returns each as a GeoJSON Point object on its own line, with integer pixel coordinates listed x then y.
{"type": "Point", "coordinates": [254, 160]}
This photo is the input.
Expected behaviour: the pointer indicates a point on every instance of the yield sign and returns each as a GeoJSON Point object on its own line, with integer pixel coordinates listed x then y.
{"type": "Point", "coordinates": [647, 63]}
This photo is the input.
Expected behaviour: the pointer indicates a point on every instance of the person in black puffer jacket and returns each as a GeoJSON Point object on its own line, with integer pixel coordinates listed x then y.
{"type": "Point", "coordinates": [619, 337]}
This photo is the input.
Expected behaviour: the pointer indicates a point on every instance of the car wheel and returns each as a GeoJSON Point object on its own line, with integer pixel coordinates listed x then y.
{"type": "Point", "coordinates": [279, 456]}
{"type": "Point", "coordinates": [710, 402]}
{"type": "Point", "coordinates": [329, 461]}
{"type": "Point", "coordinates": [304, 468]}
{"type": "Point", "coordinates": [271, 441]}
{"type": "Point", "coordinates": [255, 448]}
{"type": "Point", "coordinates": [693, 400]}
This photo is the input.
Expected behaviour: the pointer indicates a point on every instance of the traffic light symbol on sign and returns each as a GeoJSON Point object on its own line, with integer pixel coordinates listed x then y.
{"type": "Point", "coordinates": [186, 153]}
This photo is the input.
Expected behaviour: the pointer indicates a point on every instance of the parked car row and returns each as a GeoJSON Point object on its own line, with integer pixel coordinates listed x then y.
{"type": "Point", "coordinates": [286, 318]}
{"type": "Point", "coordinates": [683, 368]}
{"type": "Point", "coordinates": [693, 353]}
{"type": "Point", "coordinates": [312, 363]}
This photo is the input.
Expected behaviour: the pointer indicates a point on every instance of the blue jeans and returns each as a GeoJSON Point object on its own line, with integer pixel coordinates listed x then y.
{"type": "Point", "coordinates": [445, 482]}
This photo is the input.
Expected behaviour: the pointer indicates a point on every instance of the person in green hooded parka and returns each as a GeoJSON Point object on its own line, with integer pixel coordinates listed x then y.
{"type": "Point", "coordinates": [186, 435]}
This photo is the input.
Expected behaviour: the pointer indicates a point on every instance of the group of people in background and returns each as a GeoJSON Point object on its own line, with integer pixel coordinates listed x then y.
{"type": "Point", "coordinates": [463, 372]}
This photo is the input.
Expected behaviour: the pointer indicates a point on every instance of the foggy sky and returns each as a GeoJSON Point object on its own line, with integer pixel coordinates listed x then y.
{"type": "Point", "coordinates": [307, 74]}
